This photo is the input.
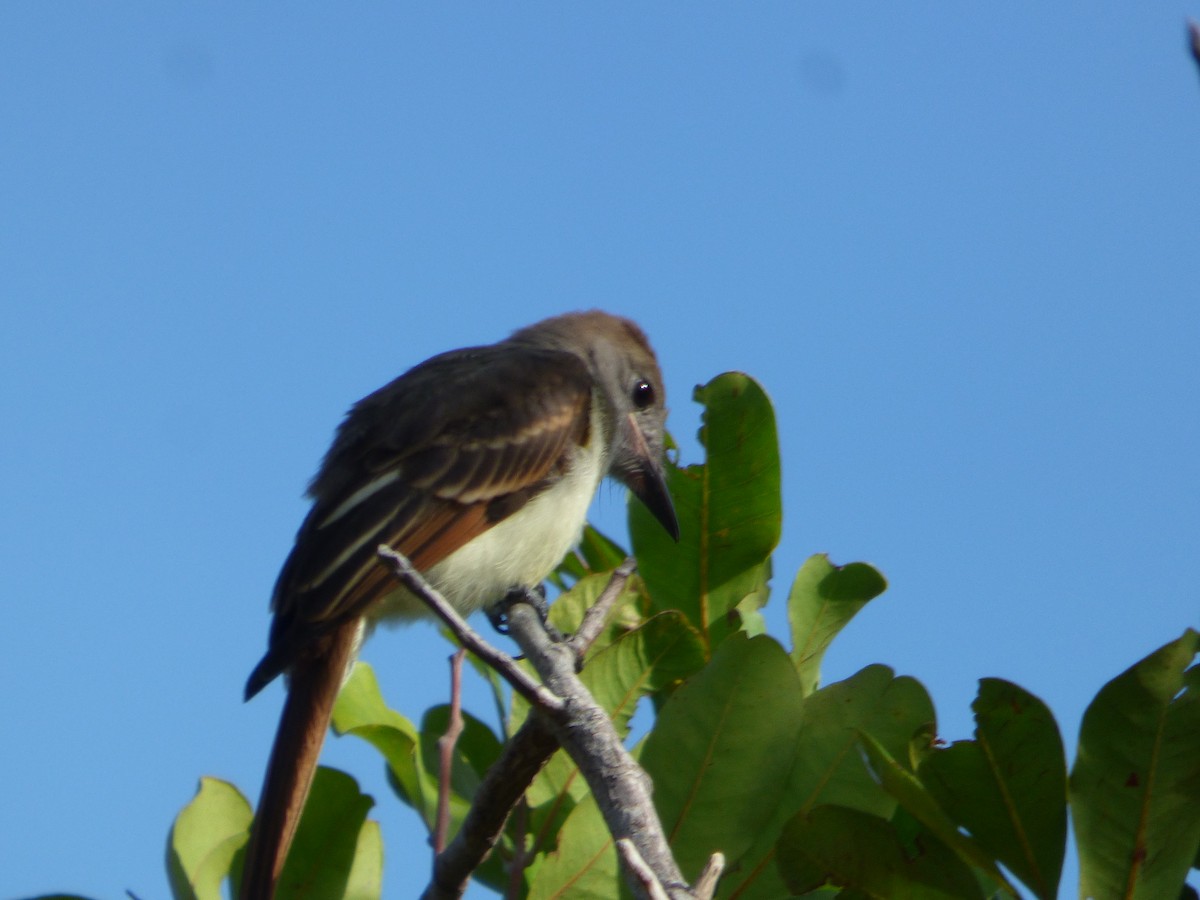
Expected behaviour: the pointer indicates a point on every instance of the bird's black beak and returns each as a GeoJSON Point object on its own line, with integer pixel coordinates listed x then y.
{"type": "Point", "coordinates": [652, 491]}
{"type": "Point", "coordinates": [643, 474]}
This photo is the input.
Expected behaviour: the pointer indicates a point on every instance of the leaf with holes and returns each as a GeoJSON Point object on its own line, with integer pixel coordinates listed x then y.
{"type": "Point", "coordinates": [1135, 787]}
{"type": "Point", "coordinates": [1008, 787]}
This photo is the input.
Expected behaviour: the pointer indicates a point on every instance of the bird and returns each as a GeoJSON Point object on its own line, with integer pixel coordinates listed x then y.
{"type": "Point", "coordinates": [478, 465]}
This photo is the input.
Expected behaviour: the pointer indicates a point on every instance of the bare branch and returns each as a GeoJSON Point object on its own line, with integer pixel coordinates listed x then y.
{"type": "Point", "coordinates": [522, 757]}
{"type": "Point", "coordinates": [704, 888]}
{"type": "Point", "coordinates": [404, 572]}
{"type": "Point", "coordinates": [446, 744]}
{"type": "Point", "coordinates": [565, 713]}
{"type": "Point", "coordinates": [706, 885]}
{"type": "Point", "coordinates": [651, 887]}
{"type": "Point", "coordinates": [618, 784]}
{"type": "Point", "coordinates": [597, 613]}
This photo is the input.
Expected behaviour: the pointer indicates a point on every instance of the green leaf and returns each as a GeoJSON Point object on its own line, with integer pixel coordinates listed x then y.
{"type": "Point", "coordinates": [474, 752]}
{"type": "Point", "coordinates": [921, 805]}
{"type": "Point", "coordinates": [476, 748]}
{"type": "Point", "coordinates": [729, 511]}
{"type": "Point", "coordinates": [1135, 787]}
{"type": "Point", "coordinates": [366, 874]}
{"type": "Point", "coordinates": [206, 835]}
{"type": "Point", "coordinates": [584, 865]}
{"type": "Point", "coordinates": [1008, 787]}
{"type": "Point", "coordinates": [721, 749]}
{"type": "Point", "coordinates": [661, 653]}
{"type": "Point", "coordinates": [865, 855]}
{"type": "Point", "coordinates": [655, 658]}
{"type": "Point", "coordinates": [361, 711]}
{"type": "Point", "coordinates": [829, 767]}
{"type": "Point", "coordinates": [329, 840]}
{"type": "Point", "coordinates": [823, 599]}
{"type": "Point", "coordinates": [568, 610]}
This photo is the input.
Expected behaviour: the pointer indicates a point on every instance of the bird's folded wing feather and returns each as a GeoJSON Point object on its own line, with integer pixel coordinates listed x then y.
{"type": "Point", "coordinates": [424, 465]}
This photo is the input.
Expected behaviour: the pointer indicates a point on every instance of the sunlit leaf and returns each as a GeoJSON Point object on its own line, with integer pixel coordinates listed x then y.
{"type": "Point", "coordinates": [584, 864]}
{"type": "Point", "coordinates": [729, 511]}
{"type": "Point", "coordinates": [823, 599]}
{"type": "Point", "coordinates": [361, 711]}
{"type": "Point", "coordinates": [1008, 787]}
{"type": "Point", "coordinates": [1135, 786]}
{"type": "Point", "coordinates": [206, 835]}
{"type": "Point", "coordinates": [567, 611]}
{"type": "Point", "coordinates": [365, 881]}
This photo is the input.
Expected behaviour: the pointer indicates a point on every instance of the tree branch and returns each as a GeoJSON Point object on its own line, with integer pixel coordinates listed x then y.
{"type": "Point", "coordinates": [568, 715]}
{"type": "Point", "coordinates": [524, 755]}
{"type": "Point", "coordinates": [403, 570]}
{"type": "Point", "coordinates": [621, 789]}
{"type": "Point", "coordinates": [445, 746]}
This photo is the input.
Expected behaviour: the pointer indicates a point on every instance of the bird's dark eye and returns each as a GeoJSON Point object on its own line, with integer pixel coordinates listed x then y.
{"type": "Point", "coordinates": [643, 394]}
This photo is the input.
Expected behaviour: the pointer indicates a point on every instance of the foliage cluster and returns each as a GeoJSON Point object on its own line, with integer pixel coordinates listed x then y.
{"type": "Point", "coordinates": [840, 789]}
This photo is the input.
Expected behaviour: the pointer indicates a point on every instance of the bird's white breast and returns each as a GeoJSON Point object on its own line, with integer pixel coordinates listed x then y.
{"type": "Point", "coordinates": [521, 550]}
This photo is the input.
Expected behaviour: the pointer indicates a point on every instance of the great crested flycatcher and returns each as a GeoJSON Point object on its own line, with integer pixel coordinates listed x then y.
{"type": "Point", "coordinates": [478, 465]}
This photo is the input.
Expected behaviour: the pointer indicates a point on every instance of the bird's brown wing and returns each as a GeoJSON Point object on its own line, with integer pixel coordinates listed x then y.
{"type": "Point", "coordinates": [424, 465]}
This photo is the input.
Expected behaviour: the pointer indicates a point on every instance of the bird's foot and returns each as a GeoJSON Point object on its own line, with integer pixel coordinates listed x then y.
{"type": "Point", "coordinates": [497, 613]}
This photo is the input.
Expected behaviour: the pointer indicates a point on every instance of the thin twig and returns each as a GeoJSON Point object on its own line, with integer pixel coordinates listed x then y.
{"type": "Point", "coordinates": [520, 856]}
{"type": "Point", "coordinates": [521, 758]}
{"type": "Point", "coordinates": [706, 885]}
{"type": "Point", "coordinates": [531, 690]}
{"type": "Point", "coordinates": [596, 615]}
{"type": "Point", "coordinates": [572, 718]}
{"type": "Point", "coordinates": [651, 887]}
{"type": "Point", "coordinates": [446, 744]}
{"type": "Point", "coordinates": [619, 785]}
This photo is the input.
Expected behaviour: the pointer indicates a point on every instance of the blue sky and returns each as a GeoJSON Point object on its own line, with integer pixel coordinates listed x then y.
{"type": "Point", "coordinates": [957, 245]}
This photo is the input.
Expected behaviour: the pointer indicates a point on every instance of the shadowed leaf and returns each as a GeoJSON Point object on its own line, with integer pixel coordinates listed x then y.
{"type": "Point", "coordinates": [1135, 787]}
{"type": "Point", "coordinates": [1008, 787]}
{"type": "Point", "coordinates": [865, 855]}
{"type": "Point", "coordinates": [332, 836]}
{"type": "Point", "coordinates": [922, 806]}
{"type": "Point", "coordinates": [722, 748]}
{"type": "Point", "coordinates": [829, 767]}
